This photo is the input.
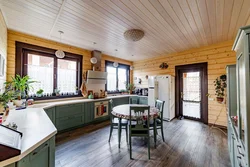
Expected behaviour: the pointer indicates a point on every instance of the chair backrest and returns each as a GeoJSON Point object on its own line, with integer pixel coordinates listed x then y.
{"type": "Point", "coordinates": [140, 116]}
{"type": "Point", "coordinates": [111, 107]}
{"type": "Point", "coordinates": [159, 104]}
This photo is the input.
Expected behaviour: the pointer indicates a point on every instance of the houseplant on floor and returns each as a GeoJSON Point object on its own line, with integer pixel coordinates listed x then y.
{"type": "Point", "coordinates": [220, 86]}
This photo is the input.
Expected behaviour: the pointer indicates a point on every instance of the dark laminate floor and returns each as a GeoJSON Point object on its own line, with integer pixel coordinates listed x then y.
{"type": "Point", "coordinates": [187, 143]}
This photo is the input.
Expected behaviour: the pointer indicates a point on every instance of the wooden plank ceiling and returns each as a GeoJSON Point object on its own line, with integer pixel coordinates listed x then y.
{"type": "Point", "coordinates": [169, 25]}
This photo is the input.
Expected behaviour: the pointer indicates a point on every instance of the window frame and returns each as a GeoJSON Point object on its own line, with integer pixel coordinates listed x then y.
{"type": "Point", "coordinates": [123, 66]}
{"type": "Point", "coordinates": [22, 51]}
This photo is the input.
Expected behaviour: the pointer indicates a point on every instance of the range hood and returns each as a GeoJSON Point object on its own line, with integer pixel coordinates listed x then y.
{"type": "Point", "coordinates": [96, 77]}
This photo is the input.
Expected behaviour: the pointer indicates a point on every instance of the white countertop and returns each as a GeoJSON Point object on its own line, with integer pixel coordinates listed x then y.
{"type": "Point", "coordinates": [36, 126]}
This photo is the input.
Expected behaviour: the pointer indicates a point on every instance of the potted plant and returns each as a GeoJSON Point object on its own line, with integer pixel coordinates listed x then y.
{"type": "Point", "coordinates": [57, 92]}
{"type": "Point", "coordinates": [39, 93]}
{"type": "Point", "coordinates": [22, 85]}
{"type": "Point", "coordinates": [220, 85]}
{"type": "Point", "coordinates": [130, 88]}
{"type": "Point", "coordinates": [123, 91]}
{"type": "Point", "coordinates": [5, 97]}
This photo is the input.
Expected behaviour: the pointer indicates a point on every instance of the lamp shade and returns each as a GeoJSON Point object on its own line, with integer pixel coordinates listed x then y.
{"type": "Point", "coordinates": [115, 64]}
{"type": "Point", "coordinates": [93, 60]}
{"type": "Point", "coordinates": [133, 35]}
{"type": "Point", "coordinates": [60, 54]}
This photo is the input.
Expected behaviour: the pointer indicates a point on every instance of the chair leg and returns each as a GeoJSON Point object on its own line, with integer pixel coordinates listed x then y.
{"type": "Point", "coordinates": [148, 147]}
{"type": "Point", "coordinates": [130, 147]}
{"type": "Point", "coordinates": [111, 130]}
{"type": "Point", "coordinates": [155, 131]}
{"type": "Point", "coordinates": [127, 133]}
{"type": "Point", "coordinates": [162, 134]}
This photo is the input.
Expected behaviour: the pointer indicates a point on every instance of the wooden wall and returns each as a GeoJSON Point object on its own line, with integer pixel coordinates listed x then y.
{"type": "Point", "coordinates": [217, 56]}
{"type": "Point", "coordinates": [3, 47]}
{"type": "Point", "coordinates": [21, 37]}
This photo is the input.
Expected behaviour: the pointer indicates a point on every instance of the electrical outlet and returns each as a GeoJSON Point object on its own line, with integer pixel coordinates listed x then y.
{"type": "Point", "coordinates": [211, 99]}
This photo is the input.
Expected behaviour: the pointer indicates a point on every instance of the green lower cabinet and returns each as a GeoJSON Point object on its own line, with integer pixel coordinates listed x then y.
{"type": "Point", "coordinates": [40, 158]}
{"type": "Point", "coordinates": [133, 100]}
{"type": "Point", "coordinates": [69, 116]}
{"type": "Point", "coordinates": [88, 112]}
{"type": "Point", "coordinates": [51, 114]}
{"type": "Point", "coordinates": [143, 100]}
{"type": "Point", "coordinates": [25, 162]}
{"type": "Point", "coordinates": [69, 122]}
{"type": "Point", "coordinates": [120, 101]}
{"type": "Point", "coordinates": [43, 156]}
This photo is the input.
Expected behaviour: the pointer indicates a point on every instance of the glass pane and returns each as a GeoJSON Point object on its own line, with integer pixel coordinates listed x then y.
{"type": "Point", "coordinates": [191, 86]}
{"type": "Point", "coordinates": [191, 109]}
{"type": "Point", "coordinates": [67, 73]}
{"type": "Point", "coordinates": [111, 79]}
{"type": "Point", "coordinates": [40, 68]}
{"type": "Point", "coordinates": [122, 78]}
{"type": "Point", "coordinates": [191, 94]}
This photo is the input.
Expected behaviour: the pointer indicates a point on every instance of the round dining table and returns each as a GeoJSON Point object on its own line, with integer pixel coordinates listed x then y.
{"type": "Point", "coordinates": [123, 112]}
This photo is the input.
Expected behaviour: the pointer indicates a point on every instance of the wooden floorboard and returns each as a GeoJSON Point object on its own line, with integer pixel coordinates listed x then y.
{"type": "Point", "coordinates": [187, 144]}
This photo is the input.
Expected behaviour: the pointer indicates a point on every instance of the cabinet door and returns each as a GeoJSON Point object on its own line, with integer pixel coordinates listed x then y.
{"type": "Point", "coordinates": [120, 101]}
{"type": "Point", "coordinates": [89, 112]}
{"type": "Point", "coordinates": [25, 162]}
{"type": "Point", "coordinates": [69, 122]}
{"type": "Point", "coordinates": [68, 110]}
{"type": "Point", "coordinates": [133, 100]}
{"type": "Point", "coordinates": [40, 156]}
{"type": "Point", "coordinates": [143, 100]}
{"type": "Point", "coordinates": [51, 114]}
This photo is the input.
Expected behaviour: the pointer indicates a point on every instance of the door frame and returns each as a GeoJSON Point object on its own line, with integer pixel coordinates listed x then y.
{"type": "Point", "coordinates": [204, 88]}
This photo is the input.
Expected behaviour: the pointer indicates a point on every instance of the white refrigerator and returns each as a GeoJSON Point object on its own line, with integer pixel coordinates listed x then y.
{"type": "Point", "coordinates": [163, 88]}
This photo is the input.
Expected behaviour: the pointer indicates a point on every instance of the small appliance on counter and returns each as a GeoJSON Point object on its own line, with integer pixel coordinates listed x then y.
{"type": "Point", "coordinates": [144, 92]}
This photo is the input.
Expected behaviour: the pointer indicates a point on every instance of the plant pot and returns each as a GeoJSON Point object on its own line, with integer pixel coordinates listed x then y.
{"type": "Point", "coordinates": [1, 108]}
{"type": "Point", "coordinates": [18, 103]}
{"type": "Point", "coordinates": [39, 95]}
{"type": "Point", "coordinates": [220, 99]}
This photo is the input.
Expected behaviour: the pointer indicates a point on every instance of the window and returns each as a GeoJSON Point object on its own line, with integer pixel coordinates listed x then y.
{"type": "Point", "coordinates": [50, 72]}
{"type": "Point", "coordinates": [118, 78]}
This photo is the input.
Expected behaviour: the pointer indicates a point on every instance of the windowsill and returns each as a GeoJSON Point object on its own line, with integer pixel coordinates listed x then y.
{"type": "Point", "coordinates": [54, 97]}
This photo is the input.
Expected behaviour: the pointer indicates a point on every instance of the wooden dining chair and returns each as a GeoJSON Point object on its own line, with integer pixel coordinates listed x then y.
{"type": "Point", "coordinates": [115, 122]}
{"type": "Point", "coordinates": [139, 125]}
{"type": "Point", "coordinates": [158, 122]}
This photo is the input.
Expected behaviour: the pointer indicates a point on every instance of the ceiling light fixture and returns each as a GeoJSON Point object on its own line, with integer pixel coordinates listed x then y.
{"type": "Point", "coordinates": [115, 64]}
{"type": "Point", "coordinates": [59, 53]}
{"type": "Point", "coordinates": [133, 35]}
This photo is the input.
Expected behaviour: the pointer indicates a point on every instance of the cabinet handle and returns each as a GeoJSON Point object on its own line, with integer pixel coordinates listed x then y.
{"type": "Point", "coordinates": [238, 147]}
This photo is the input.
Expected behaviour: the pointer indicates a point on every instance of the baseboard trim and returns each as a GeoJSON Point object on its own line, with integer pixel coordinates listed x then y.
{"type": "Point", "coordinates": [218, 126]}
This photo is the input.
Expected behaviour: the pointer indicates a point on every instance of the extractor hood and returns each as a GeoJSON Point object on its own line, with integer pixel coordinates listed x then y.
{"type": "Point", "coordinates": [96, 77]}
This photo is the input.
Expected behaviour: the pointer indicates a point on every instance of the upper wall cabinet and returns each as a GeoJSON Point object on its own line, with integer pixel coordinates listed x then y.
{"type": "Point", "coordinates": [241, 46]}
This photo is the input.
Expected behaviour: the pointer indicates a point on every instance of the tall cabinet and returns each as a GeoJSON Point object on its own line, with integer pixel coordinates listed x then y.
{"type": "Point", "coordinates": [242, 126]}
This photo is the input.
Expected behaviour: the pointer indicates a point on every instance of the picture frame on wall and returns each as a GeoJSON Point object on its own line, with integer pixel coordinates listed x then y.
{"type": "Point", "coordinates": [2, 62]}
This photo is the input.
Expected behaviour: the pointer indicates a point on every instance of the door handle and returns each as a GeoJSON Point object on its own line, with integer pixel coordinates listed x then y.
{"type": "Point", "coordinates": [182, 95]}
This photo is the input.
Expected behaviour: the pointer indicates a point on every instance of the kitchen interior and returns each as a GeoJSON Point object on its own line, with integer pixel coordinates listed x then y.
{"type": "Point", "coordinates": [124, 83]}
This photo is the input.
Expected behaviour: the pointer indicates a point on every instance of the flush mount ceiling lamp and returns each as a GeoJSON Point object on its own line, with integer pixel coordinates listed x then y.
{"type": "Point", "coordinates": [133, 35]}
{"type": "Point", "coordinates": [115, 64]}
{"type": "Point", "coordinates": [59, 53]}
